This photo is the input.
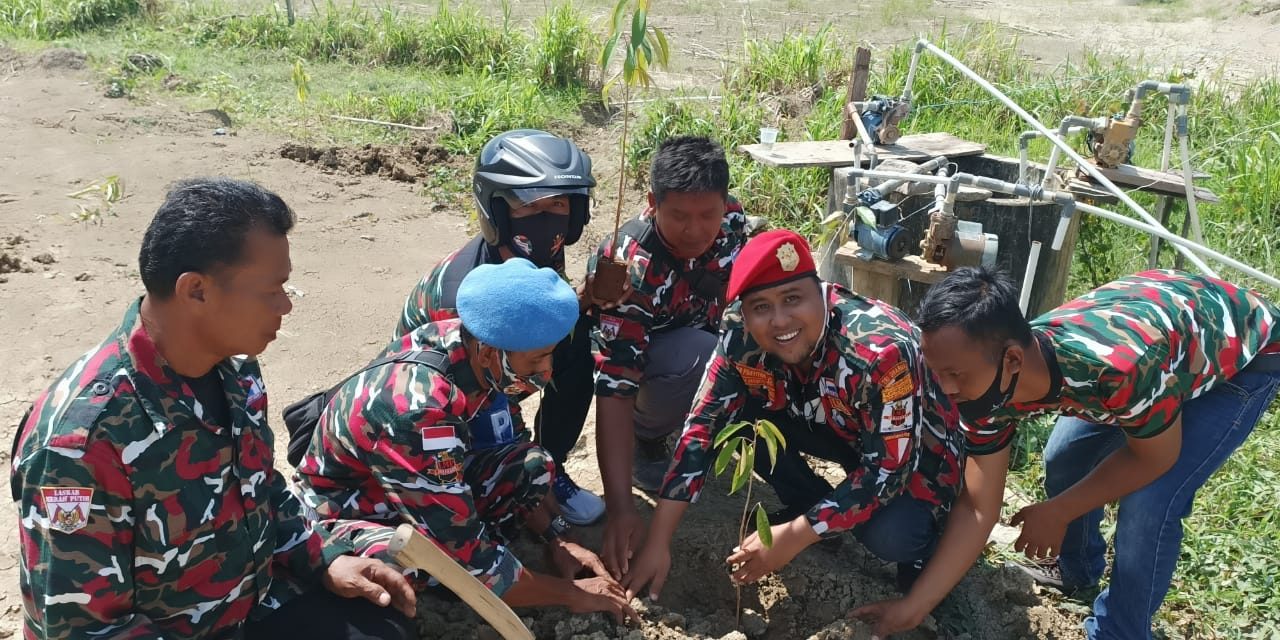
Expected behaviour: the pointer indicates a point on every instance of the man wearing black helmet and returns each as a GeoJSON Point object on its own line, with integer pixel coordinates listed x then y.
{"type": "Point", "coordinates": [532, 192]}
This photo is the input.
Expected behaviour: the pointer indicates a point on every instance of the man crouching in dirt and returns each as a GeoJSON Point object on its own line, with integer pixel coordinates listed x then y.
{"type": "Point", "coordinates": [148, 501]}
{"type": "Point", "coordinates": [533, 198]}
{"type": "Point", "coordinates": [393, 444]}
{"type": "Point", "coordinates": [841, 376]}
{"type": "Point", "coordinates": [1158, 378]}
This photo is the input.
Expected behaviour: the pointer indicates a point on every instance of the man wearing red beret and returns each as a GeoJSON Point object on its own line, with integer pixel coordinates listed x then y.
{"type": "Point", "coordinates": [842, 377]}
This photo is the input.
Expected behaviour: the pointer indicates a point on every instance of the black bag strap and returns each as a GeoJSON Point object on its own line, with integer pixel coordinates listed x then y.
{"type": "Point", "coordinates": [427, 357]}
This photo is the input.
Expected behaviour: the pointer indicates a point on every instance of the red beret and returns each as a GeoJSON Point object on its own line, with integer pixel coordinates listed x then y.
{"type": "Point", "coordinates": [769, 259]}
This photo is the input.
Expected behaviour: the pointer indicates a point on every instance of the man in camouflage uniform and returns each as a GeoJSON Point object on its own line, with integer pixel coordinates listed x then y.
{"type": "Point", "coordinates": [532, 193]}
{"type": "Point", "coordinates": [842, 377]}
{"type": "Point", "coordinates": [148, 503]}
{"type": "Point", "coordinates": [395, 443]}
{"type": "Point", "coordinates": [655, 344]}
{"type": "Point", "coordinates": [1157, 378]}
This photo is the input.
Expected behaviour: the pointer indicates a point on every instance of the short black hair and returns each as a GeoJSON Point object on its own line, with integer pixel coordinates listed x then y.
{"type": "Point", "coordinates": [982, 302]}
{"type": "Point", "coordinates": [202, 225]}
{"type": "Point", "coordinates": [689, 164]}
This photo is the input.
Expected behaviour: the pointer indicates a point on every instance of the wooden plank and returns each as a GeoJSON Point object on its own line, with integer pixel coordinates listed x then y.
{"type": "Point", "coordinates": [912, 267]}
{"type": "Point", "coordinates": [838, 153]}
{"type": "Point", "coordinates": [1170, 184]}
{"type": "Point", "coordinates": [857, 90]}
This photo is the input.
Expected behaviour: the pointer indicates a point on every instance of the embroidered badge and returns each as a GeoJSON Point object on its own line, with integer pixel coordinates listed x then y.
{"type": "Point", "coordinates": [897, 416]}
{"type": "Point", "coordinates": [67, 508]}
{"type": "Point", "coordinates": [610, 326]}
{"type": "Point", "coordinates": [831, 394]}
{"type": "Point", "coordinates": [896, 384]}
{"type": "Point", "coordinates": [897, 448]}
{"type": "Point", "coordinates": [440, 437]}
{"type": "Point", "coordinates": [443, 468]}
{"type": "Point", "coordinates": [757, 379]}
{"type": "Point", "coordinates": [788, 259]}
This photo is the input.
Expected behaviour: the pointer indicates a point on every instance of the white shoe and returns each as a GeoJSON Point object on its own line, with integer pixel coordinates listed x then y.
{"type": "Point", "coordinates": [579, 506]}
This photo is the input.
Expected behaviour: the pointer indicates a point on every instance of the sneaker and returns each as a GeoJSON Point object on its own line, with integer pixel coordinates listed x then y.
{"type": "Point", "coordinates": [579, 506]}
{"type": "Point", "coordinates": [649, 466]}
{"type": "Point", "coordinates": [1047, 573]}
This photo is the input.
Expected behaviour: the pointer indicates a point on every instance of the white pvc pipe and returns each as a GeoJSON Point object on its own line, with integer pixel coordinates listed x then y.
{"type": "Point", "coordinates": [1192, 212]}
{"type": "Point", "coordinates": [1179, 242]}
{"type": "Point", "coordinates": [1165, 152]}
{"type": "Point", "coordinates": [1064, 128]}
{"type": "Point", "coordinates": [1071, 153]}
{"type": "Point", "coordinates": [865, 137]}
{"type": "Point", "coordinates": [1033, 259]}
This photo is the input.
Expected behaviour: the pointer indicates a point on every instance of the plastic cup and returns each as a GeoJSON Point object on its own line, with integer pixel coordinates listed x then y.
{"type": "Point", "coordinates": [768, 136]}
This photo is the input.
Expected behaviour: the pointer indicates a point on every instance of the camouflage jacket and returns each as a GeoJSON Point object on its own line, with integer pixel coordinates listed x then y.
{"type": "Point", "coordinates": [868, 384]}
{"type": "Point", "coordinates": [390, 448]}
{"type": "Point", "coordinates": [138, 518]}
{"type": "Point", "coordinates": [1131, 352]}
{"type": "Point", "coordinates": [665, 294]}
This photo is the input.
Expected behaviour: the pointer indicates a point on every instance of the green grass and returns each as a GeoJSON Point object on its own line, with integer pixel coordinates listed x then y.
{"type": "Point", "coordinates": [476, 76]}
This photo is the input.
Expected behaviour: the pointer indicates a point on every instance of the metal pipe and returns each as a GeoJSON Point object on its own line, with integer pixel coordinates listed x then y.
{"type": "Point", "coordinates": [1179, 241]}
{"type": "Point", "coordinates": [1058, 142]}
{"type": "Point", "coordinates": [1033, 260]}
{"type": "Point", "coordinates": [1153, 258]}
{"type": "Point", "coordinates": [1064, 128]}
{"type": "Point", "coordinates": [1024, 141]}
{"type": "Point", "coordinates": [1184, 141]}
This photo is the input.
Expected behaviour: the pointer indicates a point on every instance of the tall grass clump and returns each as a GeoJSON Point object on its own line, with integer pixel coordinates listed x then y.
{"type": "Point", "coordinates": [563, 50]}
{"type": "Point", "coordinates": [50, 19]}
{"type": "Point", "coordinates": [795, 61]}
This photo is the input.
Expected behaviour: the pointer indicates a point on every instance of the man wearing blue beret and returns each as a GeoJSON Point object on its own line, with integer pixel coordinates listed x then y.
{"type": "Point", "coordinates": [394, 444]}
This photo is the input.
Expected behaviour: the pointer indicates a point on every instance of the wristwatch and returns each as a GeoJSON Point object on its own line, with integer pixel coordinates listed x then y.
{"type": "Point", "coordinates": [558, 527]}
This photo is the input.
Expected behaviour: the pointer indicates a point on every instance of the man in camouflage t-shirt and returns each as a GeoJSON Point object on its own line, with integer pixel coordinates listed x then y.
{"type": "Point", "coordinates": [842, 378]}
{"type": "Point", "coordinates": [653, 346]}
{"type": "Point", "coordinates": [149, 504]}
{"type": "Point", "coordinates": [1158, 377]}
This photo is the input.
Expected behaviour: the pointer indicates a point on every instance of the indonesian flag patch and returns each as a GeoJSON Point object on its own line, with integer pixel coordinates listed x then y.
{"type": "Point", "coordinates": [440, 437]}
{"type": "Point", "coordinates": [67, 508]}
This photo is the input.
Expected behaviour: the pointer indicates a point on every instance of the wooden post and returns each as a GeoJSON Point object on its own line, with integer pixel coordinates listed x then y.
{"type": "Point", "coordinates": [857, 89]}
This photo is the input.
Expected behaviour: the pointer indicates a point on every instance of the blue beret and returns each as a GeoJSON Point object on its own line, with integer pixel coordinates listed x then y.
{"type": "Point", "coordinates": [516, 306]}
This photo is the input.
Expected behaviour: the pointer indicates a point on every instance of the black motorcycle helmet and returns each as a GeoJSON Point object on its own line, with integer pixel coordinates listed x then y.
{"type": "Point", "coordinates": [530, 164]}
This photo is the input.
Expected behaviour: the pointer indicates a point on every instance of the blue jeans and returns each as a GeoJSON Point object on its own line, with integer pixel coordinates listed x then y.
{"type": "Point", "coordinates": [1149, 523]}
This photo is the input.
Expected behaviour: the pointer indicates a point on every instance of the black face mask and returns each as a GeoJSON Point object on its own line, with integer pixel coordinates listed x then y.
{"type": "Point", "coordinates": [992, 399]}
{"type": "Point", "coordinates": [539, 237]}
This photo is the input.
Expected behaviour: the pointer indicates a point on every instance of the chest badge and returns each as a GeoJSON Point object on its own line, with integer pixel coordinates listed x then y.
{"type": "Point", "coordinates": [67, 508]}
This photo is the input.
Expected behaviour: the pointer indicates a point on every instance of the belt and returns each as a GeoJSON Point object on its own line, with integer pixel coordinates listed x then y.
{"type": "Point", "coordinates": [1264, 363]}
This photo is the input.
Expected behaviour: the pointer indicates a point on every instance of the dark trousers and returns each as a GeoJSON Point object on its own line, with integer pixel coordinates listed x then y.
{"type": "Point", "coordinates": [904, 530]}
{"type": "Point", "coordinates": [323, 615]}
{"type": "Point", "coordinates": [566, 400]}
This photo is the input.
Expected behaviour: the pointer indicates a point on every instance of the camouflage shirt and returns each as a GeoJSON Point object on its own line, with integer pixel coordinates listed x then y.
{"type": "Point", "coordinates": [390, 447]}
{"type": "Point", "coordinates": [140, 519]}
{"type": "Point", "coordinates": [1131, 352]}
{"type": "Point", "coordinates": [665, 294]}
{"type": "Point", "coordinates": [868, 384]}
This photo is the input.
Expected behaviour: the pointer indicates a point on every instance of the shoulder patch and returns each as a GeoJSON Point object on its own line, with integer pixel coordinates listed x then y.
{"type": "Point", "coordinates": [756, 379]}
{"type": "Point", "coordinates": [73, 424]}
{"type": "Point", "coordinates": [896, 383]}
{"type": "Point", "coordinates": [66, 508]}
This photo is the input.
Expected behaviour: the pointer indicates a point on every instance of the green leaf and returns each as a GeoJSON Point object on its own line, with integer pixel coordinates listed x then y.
{"type": "Point", "coordinates": [664, 49]}
{"type": "Point", "coordinates": [746, 462]}
{"type": "Point", "coordinates": [723, 459]}
{"type": "Point", "coordinates": [629, 66]}
{"type": "Point", "coordinates": [618, 12]}
{"type": "Point", "coordinates": [762, 527]}
{"type": "Point", "coordinates": [604, 90]}
{"type": "Point", "coordinates": [638, 20]}
{"type": "Point", "coordinates": [606, 54]}
{"type": "Point", "coordinates": [728, 432]}
{"type": "Point", "coordinates": [646, 49]}
{"type": "Point", "coordinates": [770, 431]}
{"type": "Point", "coordinates": [772, 446]}
{"type": "Point", "coordinates": [866, 216]}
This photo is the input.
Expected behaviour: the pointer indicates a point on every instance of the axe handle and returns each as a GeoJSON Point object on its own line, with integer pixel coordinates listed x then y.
{"type": "Point", "coordinates": [411, 549]}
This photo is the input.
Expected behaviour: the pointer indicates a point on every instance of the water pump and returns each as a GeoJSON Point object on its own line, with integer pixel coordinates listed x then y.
{"type": "Point", "coordinates": [881, 115]}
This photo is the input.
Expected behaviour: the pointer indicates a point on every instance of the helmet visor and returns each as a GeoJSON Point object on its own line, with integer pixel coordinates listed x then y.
{"type": "Point", "coordinates": [531, 195]}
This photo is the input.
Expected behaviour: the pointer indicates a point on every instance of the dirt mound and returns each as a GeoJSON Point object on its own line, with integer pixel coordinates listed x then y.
{"type": "Point", "coordinates": [409, 163]}
{"type": "Point", "coordinates": [53, 59]}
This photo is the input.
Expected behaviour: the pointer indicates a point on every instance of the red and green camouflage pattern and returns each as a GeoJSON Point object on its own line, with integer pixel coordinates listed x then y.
{"type": "Point", "coordinates": [189, 529]}
{"type": "Point", "coordinates": [662, 298]}
{"type": "Point", "coordinates": [393, 446]}
{"type": "Point", "coordinates": [868, 385]}
{"type": "Point", "coordinates": [1132, 351]}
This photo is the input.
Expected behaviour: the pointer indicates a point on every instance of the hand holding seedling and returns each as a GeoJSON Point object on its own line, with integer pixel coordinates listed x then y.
{"type": "Point", "coordinates": [753, 559]}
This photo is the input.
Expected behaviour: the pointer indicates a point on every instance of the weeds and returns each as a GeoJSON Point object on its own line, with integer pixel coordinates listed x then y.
{"type": "Point", "coordinates": [49, 19]}
{"type": "Point", "coordinates": [101, 196]}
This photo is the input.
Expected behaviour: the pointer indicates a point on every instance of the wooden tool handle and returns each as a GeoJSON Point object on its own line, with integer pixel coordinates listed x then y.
{"type": "Point", "coordinates": [411, 549]}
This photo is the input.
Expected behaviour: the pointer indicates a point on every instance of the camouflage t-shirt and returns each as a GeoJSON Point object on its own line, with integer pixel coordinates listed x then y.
{"type": "Point", "coordinates": [665, 294]}
{"type": "Point", "coordinates": [390, 447]}
{"type": "Point", "coordinates": [868, 385]}
{"type": "Point", "coordinates": [139, 518]}
{"type": "Point", "coordinates": [1132, 351]}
